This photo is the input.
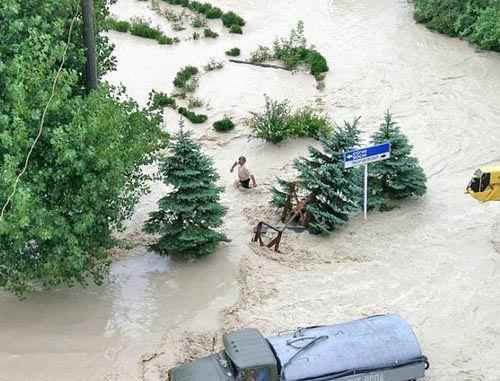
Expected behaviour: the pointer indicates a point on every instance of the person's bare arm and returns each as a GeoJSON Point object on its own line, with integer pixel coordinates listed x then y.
{"type": "Point", "coordinates": [253, 180]}
{"type": "Point", "coordinates": [232, 167]}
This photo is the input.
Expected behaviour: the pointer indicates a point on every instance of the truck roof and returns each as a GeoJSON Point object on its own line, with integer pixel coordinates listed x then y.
{"type": "Point", "coordinates": [248, 349]}
{"type": "Point", "coordinates": [373, 343]}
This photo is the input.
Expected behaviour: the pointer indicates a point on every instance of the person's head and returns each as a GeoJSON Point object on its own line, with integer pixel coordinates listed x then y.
{"type": "Point", "coordinates": [242, 160]}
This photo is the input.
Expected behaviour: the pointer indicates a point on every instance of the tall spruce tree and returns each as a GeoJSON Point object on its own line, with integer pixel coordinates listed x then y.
{"type": "Point", "coordinates": [398, 177]}
{"type": "Point", "coordinates": [188, 214]}
{"type": "Point", "coordinates": [337, 189]}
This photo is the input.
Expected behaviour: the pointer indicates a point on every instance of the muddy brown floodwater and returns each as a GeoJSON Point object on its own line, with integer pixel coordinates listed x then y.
{"type": "Point", "coordinates": [433, 259]}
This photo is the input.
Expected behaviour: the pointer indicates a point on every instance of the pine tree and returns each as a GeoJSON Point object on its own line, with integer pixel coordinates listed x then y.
{"type": "Point", "coordinates": [189, 213]}
{"type": "Point", "coordinates": [398, 177]}
{"type": "Point", "coordinates": [337, 189]}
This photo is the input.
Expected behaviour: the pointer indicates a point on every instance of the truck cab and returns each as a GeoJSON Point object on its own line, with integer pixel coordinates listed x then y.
{"type": "Point", "coordinates": [377, 348]}
{"type": "Point", "coordinates": [484, 185]}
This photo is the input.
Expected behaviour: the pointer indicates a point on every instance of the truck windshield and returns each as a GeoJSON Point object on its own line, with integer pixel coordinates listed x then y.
{"type": "Point", "coordinates": [253, 375]}
{"type": "Point", "coordinates": [474, 183]}
{"type": "Point", "coordinates": [485, 181]}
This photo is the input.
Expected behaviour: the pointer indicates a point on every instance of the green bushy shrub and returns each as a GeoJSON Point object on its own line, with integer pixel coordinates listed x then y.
{"type": "Point", "coordinates": [230, 18]}
{"type": "Point", "coordinates": [119, 26]}
{"type": "Point", "coordinates": [142, 28]}
{"type": "Point", "coordinates": [209, 33]}
{"type": "Point", "coordinates": [278, 122]}
{"type": "Point", "coordinates": [271, 125]}
{"type": "Point", "coordinates": [194, 103]}
{"type": "Point", "coordinates": [317, 64]}
{"type": "Point", "coordinates": [233, 52]}
{"type": "Point", "coordinates": [191, 116]}
{"type": "Point", "coordinates": [293, 52]}
{"type": "Point", "coordinates": [305, 122]}
{"type": "Point", "coordinates": [235, 29]}
{"type": "Point", "coordinates": [198, 22]}
{"type": "Point", "coordinates": [262, 54]}
{"type": "Point", "coordinates": [224, 125]}
{"type": "Point", "coordinates": [159, 99]}
{"type": "Point", "coordinates": [184, 75]}
{"type": "Point", "coordinates": [213, 64]}
{"type": "Point", "coordinates": [211, 12]}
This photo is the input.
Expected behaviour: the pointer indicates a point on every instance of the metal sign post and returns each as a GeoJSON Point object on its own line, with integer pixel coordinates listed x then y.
{"type": "Point", "coordinates": [364, 156]}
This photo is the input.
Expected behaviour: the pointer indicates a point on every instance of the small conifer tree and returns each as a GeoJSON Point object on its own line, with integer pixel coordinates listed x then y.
{"type": "Point", "coordinates": [188, 214]}
{"type": "Point", "coordinates": [336, 189]}
{"type": "Point", "coordinates": [398, 177]}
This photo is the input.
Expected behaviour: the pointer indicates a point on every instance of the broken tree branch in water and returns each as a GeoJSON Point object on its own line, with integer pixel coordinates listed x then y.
{"type": "Point", "coordinates": [260, 64]}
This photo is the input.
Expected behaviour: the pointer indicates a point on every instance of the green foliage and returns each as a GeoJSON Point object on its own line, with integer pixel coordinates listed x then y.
{"type": "Point", "coordinates": [142, 28]}
{"type": "Point", "coordinates": [478, 21]}
{"type": "Point", "coordinates": [196, 36]}
{"type": "Point", "coordinates": [119, 26]}
{"type": "Point", "coordinates": [262, 54]}
{"type": "Point", "coordinates": [293, 52]}
{"type": "Point", "coordinates": [213, 64]}
{"type": "Point", "coordinates": [191, 116]}
{"type": "Point", "coordinates": [278, 122]}
{"type": "Point", "coordinates": [398, 177]}
{"type": "Point", "coordinates": [210, 12]}
{"type": "Point", "coordinates": [188, 215]}
{"type": "Point", "coordinates": [194, 103]}
{"type": "Point", "coordinates": [272, 124]}
{"type": "Point", "coordinates": [236, 29]}
{"type": "Point", "coordinates": [224, 125]}
{"type": "Point", "coordinates": [316, 63]}
{"type": "Point", "coordinates": [198, 22]}
{"type": "Point", "coordinates": [159, 100]}
{"type": "Point", "coordinates": [233, 52]}
{"type": "Point", "coordinates": [230, 18]}
{"type": "Point", "coordinates": [84, 176]}
{"type": "Point", "coordinates": [206, 9]}
{"type": "Point", "coordinates": [280, 193]}
{"type": "Point", "coordinates": [209, 33]}
{"type": "Point", "coordinates": [184, 75]}
{"type": "Point", "coordinates": [305, 122]}
{"type": "Point", "coordinates": [337, 190]}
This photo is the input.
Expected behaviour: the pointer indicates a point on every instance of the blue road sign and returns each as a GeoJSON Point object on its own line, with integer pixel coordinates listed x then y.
{"type": "Point", "coordinates": [367, 155]}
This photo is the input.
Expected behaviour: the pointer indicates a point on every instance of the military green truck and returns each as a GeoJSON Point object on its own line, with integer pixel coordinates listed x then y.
{"type": "Point", "coordinates": [376, 348]}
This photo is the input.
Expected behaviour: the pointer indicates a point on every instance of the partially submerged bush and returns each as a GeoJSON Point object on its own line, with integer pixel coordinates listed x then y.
{"type": "Point", "coordinates": [305, 122]}
{"type": "Point", "coordinates": [293, 52]}
{"type": "Point", "coordinates": [194, 103]}
{"type": "Point", "coordinates": [317, 64]}
{"type": "Point", "coordinates": [119, 26]}
{"type": "Point", "coordinates": [272, 124]}
{"type": "Point", "coordinates": [213, 64]}
{"type": "Point", "coordinates": [224, 125]}
{"type": "Point", "coordinates": [233, 52]}
{"type": "Point", "coordinates": [184, 75]}
{"type": "Point", "coordinates": [235, 29]}
{"type": "Point", "coordinates": [198, 22]}
{"type": "Point", "coordinates": [141, 28]}
{"type": "Point", "coordinates": [230, 18]}
{"type": "Point", "coordinates": [262, 54]}
{"type": "Point", "coordinates": [159, 99]}
{"type": "Point", "coordinates": [210, 12]}
{"type": "Point", "coordinates": [191, 116]}
{"type": "Point", "coordinates": [209, 33]}
{"type": "Point", "coordinates": [278, 122]}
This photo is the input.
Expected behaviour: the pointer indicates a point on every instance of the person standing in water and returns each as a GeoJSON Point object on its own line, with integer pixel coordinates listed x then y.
{"type": "Point", "coordinates": [244, 174]}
